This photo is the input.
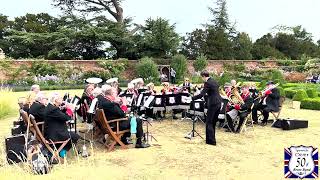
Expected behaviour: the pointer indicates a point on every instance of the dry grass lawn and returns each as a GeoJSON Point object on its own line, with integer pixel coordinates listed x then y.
{"type": "Point", "coordinates": [255, 154]}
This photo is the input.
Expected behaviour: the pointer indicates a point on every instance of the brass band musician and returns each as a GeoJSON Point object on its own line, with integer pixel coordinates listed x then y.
{"type": "Point", "coordinates": [268, 102]}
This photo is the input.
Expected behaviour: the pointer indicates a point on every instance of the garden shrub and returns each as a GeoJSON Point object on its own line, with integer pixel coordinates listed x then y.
{"type": "Point", "coordinates": [300, 95]}
{"type": "Point", "coordinates": [200, 63]}
{"type": "Point", "coordinates": [311, 103]}
{"type": "Point", "coordinates": [43, 68]}
{"type": "Point", "coordinates": [148, 70]}
{"type": "Point", "coordinates": [114, 67]}
{"type": "Point", "coordinates": [289, 92]}
{"type": "Point", "coordinates": [180, 65]}
{"type": "Point", "coordinates": [312, 93]}
{"type": "Point", "coordinates": [282, 92]}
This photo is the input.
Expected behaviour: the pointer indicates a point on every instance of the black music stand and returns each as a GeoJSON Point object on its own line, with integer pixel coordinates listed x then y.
{"type": "Point", "coordinates": [147, 134]}
{"type": "Point", "coordinates": [185, 103]}
{"type": "Point", "coordinates": [196, 107]}
{"type": "Point", "coordinates": [172, 101]}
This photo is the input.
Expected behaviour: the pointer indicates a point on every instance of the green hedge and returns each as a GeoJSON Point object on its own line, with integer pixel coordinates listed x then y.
{"type": "Point", "coordinates": [289, 92]}
{"type": "Point", "coordinates": [282, 92]}
{"type": "Point", "coordinates": [312, 93]}
{"type": "Point", "coordinates": [310, 103]}
{"type": "Point", "coordinates": [300, 95]}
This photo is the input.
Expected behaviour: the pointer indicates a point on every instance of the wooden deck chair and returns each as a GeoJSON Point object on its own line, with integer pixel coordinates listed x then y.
{"type": "Point", "coordinates": [25, 118]}
{"type": "Point", "coordinates": [50, 145]}
{"type": "Point", "coordinates": [276, 115]}
{"type": "Point", "coordinates": [114, 135]}
{"type": "Point", "coordinates": [248, 122]}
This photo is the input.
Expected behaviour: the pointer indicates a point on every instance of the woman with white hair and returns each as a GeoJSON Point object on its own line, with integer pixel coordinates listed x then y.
{"type": "Point", "coordinates": [55, 120]}
{"type": "Point", "coordinates": [34, 90]}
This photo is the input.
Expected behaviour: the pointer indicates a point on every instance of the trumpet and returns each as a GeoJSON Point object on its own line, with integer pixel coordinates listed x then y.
{"type": "Point", "coordinates": [261, 93]}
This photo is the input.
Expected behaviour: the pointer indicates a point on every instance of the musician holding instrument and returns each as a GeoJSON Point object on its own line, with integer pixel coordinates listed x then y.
{"type": "Point", "coordinates": [241, 108]}
{"type": "Point", "coordinates": [113, 110]}
{"type": "Point", "coordinates": [38, 106]}
{"type": "Point", "coordinates": [268, 101]}
{"type": "Point", "coordinates": [150, 89]}
{"type": "Point", "coordinates": [187, 84]}
{"type": "Point", "coordinates": [55, 121]}
{"type": "Point", "coordinates": [211, 88]}
{"type": "Point", "coordinates": [85, 102]}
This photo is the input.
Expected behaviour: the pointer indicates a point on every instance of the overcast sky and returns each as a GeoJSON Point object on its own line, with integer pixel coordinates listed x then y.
{"type": "Point", "coordinates": [255, 17]}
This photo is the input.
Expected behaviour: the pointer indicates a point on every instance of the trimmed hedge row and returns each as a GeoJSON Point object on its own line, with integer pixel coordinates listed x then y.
{"type": "Point", "coordinates": [311, 103]}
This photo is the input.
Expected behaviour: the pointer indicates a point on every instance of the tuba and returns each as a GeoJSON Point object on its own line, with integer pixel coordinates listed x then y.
{"type": "Point", "coordinates": [235, 96]}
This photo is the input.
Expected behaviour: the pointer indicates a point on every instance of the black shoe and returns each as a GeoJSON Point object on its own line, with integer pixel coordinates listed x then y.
{"type": "Point", "coordinates": [255, 122]}
{"type": "Point", "coordinates": [142, 145]}
{"type": "Point", "coordinates": [264, 123]}
{"type": "Point", "coordinates": [211, 143]}
{"type": "Point", "coordinates": [175, 117]}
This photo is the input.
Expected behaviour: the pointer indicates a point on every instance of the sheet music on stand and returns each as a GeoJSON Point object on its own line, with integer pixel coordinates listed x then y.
{"type": "Point", "coordinates": [148, 101]}
{"type": "Point", "coordinates": [159, 104]}
{"type": "Point", "coordinates": [185, 101]}
{"type": "Point", "coordinates": [140, 99]}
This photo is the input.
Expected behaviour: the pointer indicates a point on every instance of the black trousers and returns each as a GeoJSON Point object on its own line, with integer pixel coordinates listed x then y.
{"type": "Point", "coordinates": [242, 117]}
{"type": "Point", "coordinates": [265, 112]}
{"type": "Point", "coordinates": [211, 120]}
{"type": "Point", "coordinates": [74, 137]}
{"type": "Point", "coordinates": [126, 125]}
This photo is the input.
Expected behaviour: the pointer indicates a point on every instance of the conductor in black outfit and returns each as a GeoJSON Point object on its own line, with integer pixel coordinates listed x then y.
{"type": "Point", "coordinates": [211, 89]}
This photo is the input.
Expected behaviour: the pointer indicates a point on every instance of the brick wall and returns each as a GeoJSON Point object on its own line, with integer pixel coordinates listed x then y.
{"type": "Point", "coordinates": [92, 65]}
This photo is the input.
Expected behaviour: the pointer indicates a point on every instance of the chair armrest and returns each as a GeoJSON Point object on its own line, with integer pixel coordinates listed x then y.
{"type": "Point", "coordinates": [58, 142]}
{"type": "Point", "coordinates": [117, 120]}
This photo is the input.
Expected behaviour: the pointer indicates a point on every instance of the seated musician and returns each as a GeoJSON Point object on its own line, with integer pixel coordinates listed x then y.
{"type": "Point", "coordinates": [131, 90]}
{"type": "Point", "coordinates": [253, 90]}
{"type": "Point", "coordinates": [34, 90]}
{"type": "Point", "coordinates": [234, 85]}
{"type": "Point", "coordinates": [38, 107]}
{"type": "Point", "coordinates": [241, 110]}
{"type": "Point", "coordinates": [85, 103]}
{"type": "Point", "coordinates": [55, 120]}
{"type": "Point", "coordinates": [187, 84]}
{"type": "Point", "coordinates": [150, 89]}
{"type": "Point", "coordinates": [227, 89]}
{"type": "Point", "coordinates": [269, 102]}
{"type": "Point", "coordinates": [113, 110]}
{"type": "Point", "coordinates": [113, 82]}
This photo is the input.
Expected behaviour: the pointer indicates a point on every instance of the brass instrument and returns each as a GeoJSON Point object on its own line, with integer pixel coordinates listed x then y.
{"type": "Point", "coordinates": [235, 96]}
{"type": "Point", "coordinates": [261, 93]}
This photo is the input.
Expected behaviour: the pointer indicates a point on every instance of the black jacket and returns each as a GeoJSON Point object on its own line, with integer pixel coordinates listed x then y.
{"type": "Point", "coordinates": [211, 88]}
{"type": "Point", "coordinates": [111, 110]}
{"type": "Point", "coordinates": [273, 100]}
{"type": "Point", "coordinates": [37, 110]}
{"type": "Point", "coordinates": [247, 104]}
{"type": "Point", "coordinates": [55, 124]}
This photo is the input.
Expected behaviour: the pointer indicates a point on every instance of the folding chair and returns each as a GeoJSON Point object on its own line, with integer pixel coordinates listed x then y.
{"type": "Point", "coordinates": [222, 114]}
{"type": "Point", "coordinates": [276, 115]}
{"type": "Point", "coordinates": [107, 128]}
{"type": "Point", "coordinates": [50, 145]}
{"type": "Point", "coordinates": [248, 122]}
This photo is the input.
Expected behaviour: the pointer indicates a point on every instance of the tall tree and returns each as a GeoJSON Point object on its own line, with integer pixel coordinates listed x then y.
{"type": "Point", "coordinates": [160, 38]}
{"type": "Point", "coordinates": [194, 43]}
{"type": "Point", "coordinates": [242, 46]}
{"type": "Point", "coordinates": [220, 33]}
{"type": "Point", "coordinates": [113, 7]}
{"type": "Point", "coordinates": [220, 19]}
